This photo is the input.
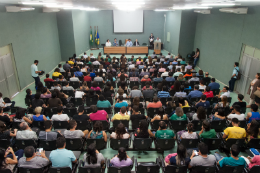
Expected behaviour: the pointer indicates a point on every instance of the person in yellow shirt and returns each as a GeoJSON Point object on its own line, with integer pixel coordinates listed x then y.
{"type": "Point", "coordinates": [235, 132]}
{"type": "Point", "coordinates": [71, 61]}
{"type": "Point", "coordinates": [122, 115]}
{"type": "Point", "coordinates": [56, 73]}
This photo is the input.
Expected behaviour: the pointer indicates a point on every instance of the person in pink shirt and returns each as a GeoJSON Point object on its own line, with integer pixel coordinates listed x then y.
{"type": "Point", "coordinates": [254, 162]}
{"type": "Point", "coordinates": [161, 69]}
{"type": "Point", "coordinates": [155, 104]}
{"type": "Point", "coordinates": [97, 115]}
{"type": "Point", "coordinates": [95, 86]}
{"type": "Point", "coordinates": [122, 72]}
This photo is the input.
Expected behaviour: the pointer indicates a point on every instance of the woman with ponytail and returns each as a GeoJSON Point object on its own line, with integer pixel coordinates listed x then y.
{"type": "Point", "coordinates": [189, 134]}
{"type": "Point", "coordinates": [181, 158]}
{"type": "Point", "coordinates": [93, 157]}
{"type": "Point", "coordinates": [121, 159]}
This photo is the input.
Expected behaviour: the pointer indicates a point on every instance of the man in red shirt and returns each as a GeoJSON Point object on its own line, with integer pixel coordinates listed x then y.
{"type": "Point", "coordinates": [88, 78]}
{"type": "Point", "coordinates": [48, 79]}
{"type": "Point", "coordinates": [146, 78]}
{"type": "Point", "coordinates": [208, 93]}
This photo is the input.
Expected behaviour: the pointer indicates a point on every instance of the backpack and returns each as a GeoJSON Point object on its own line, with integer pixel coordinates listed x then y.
{"type": "Point", "coordinates": [238, 75]}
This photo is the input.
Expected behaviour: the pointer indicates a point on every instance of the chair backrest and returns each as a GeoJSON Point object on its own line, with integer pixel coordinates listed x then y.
{"type": "Point", "coordinates": [115, 144]}
{"type": "Point", "coordinates": [218, 125]}
{"type": "Point", "coordinates": [231, 169]}
{"type": "Point", "coordinates": [230, 142]}
{"type": "Point", "coordinates": [125, 122]}
{"type": "Point", "coordinates": [190, 143]}
{"type": "Point", "coordinates": [192, 83]}
{"type": "Point", "coordinates": [126, 169]}
{"type": "Point", "coordinates": [204, 169]}
{"type": "Point", "coordinates": [165, 100]}
{"type": "Point", "coordinates": [60, 124]}
{"type": "Point", "coordinates": [49, 84]}
{"type": "Point", "coordinates": [83, 125]}
{"type": "Point", "coordinates": [77, 101]}
{"type": "Point", "coordinates": [100, 143]}
{"type": "Point", "coordinates": [47, 145]}
{"type": "Point", "coordinates": [216, 91]}
{"type": "Point", "coordinates": [212, 100]}
{"type": "Point", "coordinates": [155, 124]}
{"type": "Point", "coordinates": [38, 124]}
{"type": "Point", "coordinates": [254, 143]}
{"type": "Point", "coordinates": [70, 111]}
{"type": "Point", "coordinates": [212, 143]}
{"type": "Point", "coordinates": [165, 144]}
{"type": "Point", "coordinates": [22, 143]}
{"type": "Point", "coordinates": [106, 125]}
{"type": "Point", "coordinates": [242, 123]}
{"type": "Point", "coordinates": [152, 111]}
{"type": "Point", "coordinates": [178, 125]}
{"type": "Point", "coordinates": [91, 101]}
{"type": "Point", "coordinates": [254, 169]}
{"type": "Point", "coordinates": [197, 125]}
{"type": "Point", "coordinates": [28, 102]}
{"type": "Point", "coordinates": [74, 144]}
{"type": "Point", "coordinates": [175, 169]}
{"type": "Point", "coordinates": [195, 99]}
{"type": "Point", "coordinates": [142, 144]}
{"type": "Point", "coordinates": [108, 110]}
{"type": "Point", "coordinates": [147, 167]}
{"type": "Point", "coordinates": [69, 92]}
{"type": "Point", "coordinates": [30, 170]}
{"type": "Point", "coordinates": [60, 170]}
{"type": "Point", "coordinates": [75, 84]}
{"type": "Point", "coordinates": [188, 109]}
{"type": "Point", "coordinates": [4, 143]}
{"type": "Point", "coordinates": [50, 111]}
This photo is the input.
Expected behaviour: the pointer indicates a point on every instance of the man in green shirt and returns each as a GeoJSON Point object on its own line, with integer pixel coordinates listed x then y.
{"type": "Point", "coordinates": [206, 132]}
{"type": "Point", "coordinates": [163, 133]}
{"type": "Point", "coordinates": [102, 103]}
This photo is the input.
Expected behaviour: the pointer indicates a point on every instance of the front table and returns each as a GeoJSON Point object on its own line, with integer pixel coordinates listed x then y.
{"type": "Point", "coordinates": [115, 50]}
{"type": "Point", "coordinates": [137, 49]}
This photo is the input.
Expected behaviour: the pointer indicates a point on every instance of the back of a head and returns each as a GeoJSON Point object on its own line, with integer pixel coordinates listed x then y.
{"type": "Point", "coordinates": [203, 97]}
{"type": "Point", "coordinates": [122, 154]}
{"type": "Point", "coordinates": [162, 125]}
{"type": "Point", "coordinates": [59, 109]}
{"type": "Point", "coordinates": [47, 124]}
{"type": "Point", "coordinates": [53, 95]}
{"type": "Point", "coordinates": [155, 99]}
{"type": "Point", "coordinates": [37, 95]}
{"type": "Point", "coordinates": [213, 79]}
{"type": "Point", "coordinates": [91, 154]}
{"type": "Point", "coordinates": [29, 151]}
{"type": "Point", "coordinates": [235, 120]}
{"type": "Point", "coordinates": [181, 155]}
{"type": "Point", "coordinates": [201, 113]}
{"type": "Point", "coordinates": [72, 124]}
{"type": "Point", "coordinates": [182, 88]}
{"type": "Point", "coordinates": [235, 150]}
{"type": "Point", "coordinates": [80, 109]}
{"type": "Point", "coordinates": [121, 98]}
{"type": "Point", "coordinates": [190, 127]}
{"type": "Point", "coordinates": [93, 108]}
{"type": "Point", "coordinates": [23, 125]}
{"type": "Point", "coordinates": [179, 111]}
{"type": "Point", "coordinates": [206, 125]}
{"type": "Point", "coordinates": [120, 130]}
{"type": "Point", "coordinates": [196, 87]}
{"type": "Point", "coordinates": [2, 126]}
{"type": "Point", "coordinates": [254, 107]}
{"type": "Point", "coordinates": [123, 109]}
{"type": "Point", "coordinates": [98, 126]}
{"type": "Point", "coordinates": [236, 108]}
{"type": "Point", "coordinates": [164, 88]}
{"type": "Point", "coordinates": [60, 142]}
{"type": "Point", "coordinates": [203, 148]}
{"type": "Point", "coordinates": [207, 88]}
{"type": "Point", "coordinates": [240, 97]}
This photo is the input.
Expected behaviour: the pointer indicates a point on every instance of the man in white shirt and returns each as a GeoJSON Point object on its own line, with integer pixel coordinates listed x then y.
{"type": "Point", "coordinates": [168, 56]}
{"type": "Point", "coordinates": [108, 43]}
{"type": "Point", "coordinates": [59, 116]}
{"type": "Point", "coordinates": [96, 63]}
{"type": "Point", "coordinates": [236, 114]}
{"type": "Point", "coordinates": [225, 92]}
{"type": "Point", "coordinates": [26, 132]}
{"type": "Point", "coordinates": [158, 40]}
{"type": "Point", "coordinates": [166, 73]}
{"type": "Point", "coordinates": [34, 72]}
{"type": "Point", "coordinates": [85, 55]}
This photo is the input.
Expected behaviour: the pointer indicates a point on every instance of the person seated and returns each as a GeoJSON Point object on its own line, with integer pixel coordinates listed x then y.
{"type": "Point", "coordinates": [99, 78]}
{"type": "Point", "coordinates": [194, 78]}
{"type": "Point", "coordinates": [188, 73]}
{"type": "Point", "coordinates": [87, 77]}
{"type": "Point", "coordinates": [54, 101]}
{"type": "Point", "coordinates": [107, 92]}
{"type": "Point", "coordinates": [201, 85]}
{"type": "Point", "coordinates": [236, 114]}
{"type": "Point", "coordinates": [96, 114]}
{"type": "Point", "coordinates": [56, 73]}
{"type": "Point", "coordinates": [38, 116]}
{"type": "Point", "coordinates": [74, 78]}
{"type": "Point", "coordinates": [223, 103]}
{"type": "Point", "coordinates": [219, 115]}
{"type": "Point", "coordinates": [48, 79]}
{"type": "Point", "coordinates": [145, 79]}
{"type": "Point", "coordinates": [121, 159]}
{"type": "Point", "coordinates": [62, 157]}
{"type": "Point", "coordinates": [206, 131]}
{"type": "Point", "coordinates": [240, 102]}
{"type": "Point", "coordinates": [224, 91]}
{"type": "Point", "coordinates": [8, 161]}
{"type": "Point", "coordinates": [136, 102]}
{"type": "Point", "coordinates": [255, 161]}
{"type": "Point", "coordinates": [73, 133]}
{"type": "Point", "coordinates": [178, 72]}
{"type": "Point", "coordinates": [98, 132]}
{"type": "Point", "coordinates": [214, 85]}
{"type": "Point", "coordinates": [60, 116]}
{"type": "Point", "coordinates": [71, 61]}
{"type": "Point", "coordinates": [110, 78]}
{"type": "Point", "coordinates": [45, 93]}
{"type": "Point", "coordinates": [252, 130]}
{"type": "Point", "coordinates": [181, 158]}
{"type": "Point", "coordinates": [187, 86]}
{"type": "Point", "coordinates": [180, 93]}
{"type": "Point", "coordinates": [29, 94]}
{"type": "Point", "coordinates": [254, 114]}
{"type": "Point", "coordinates": [102, 103]}
{"type": "Point", "coordinates": [6, 133]}
{"type": "Point", "coordinates": [155, 104]}
{"type": "Point", "coordinates": [200, 114]}
{"type": "Point", "coordinates": [136, 115]}
{"type": "Point", "coordinates": [165, 73]}
{"type": "Point", "coordinates": [120, 102]}
{"type": "Point", "coordinates": [179, 115]}
{"type": "Point", "coordinates": [195, 94]}
{"type": "Point", "coordinates": [163, 132]}
{"type": "Point", "coordinates": [67, 86]}
{"type": "Point", "coordinates": [135, 92]}
{"type": "Point", "coordinates": [160, 116]}
{"type": "Point", "coordinates": [26, 132]}
{"type": "Point", "coordinates": [122, 115]}
{"type": "Point", "coordinates": [203, 159]}
{"type": "Point", "coordinates": [190, 134]}
{"type": "Point", "coordinates": [80, 116]}
{"type": "Point", "coordinates": [48, 134]}
{"type": "Point", "coordinates": [56, 86]}
{"type": "Point", "coordinates": [61, 79]}
{"type": "Point", "coordinates": [5, 117]}
{"type": "Point", "coordinates": [170, 77]}
{"type": "Point", "coordinates": [207, 79]}
{"type": "Point", "coordinates": [122, 73]}
{"type": "Point", "coordinates": [232, 161]}
{"type": "Point", "coordinates": [203, 102]}
{"type": "Point", "coordinates": [235, 132]}
{"type": "Point", "coordinates": [93, 157]}
{"type": "Point", "coordinates": [144, 72]}
{"type": "Point", "coordinates": [32, 159]}
{"type": "Point", "coordinates": [120, 132]}
{"type": "Point", "coordinates": [208, 93]}
{"type": "Point", "coordinates": [37, 101]}
{"type": "Point", "coordinates": [158, 78]}
{"type": "Point", "coordinates": [142, 131]}
{"type": "Point", "coordinates": [164, 93]}
{"type": "Point", "coordinates": [20, 116]}
{"type": "Point", "coordinates": [95, 86]}
{"type": "Point", "coordinates": [183, 103]}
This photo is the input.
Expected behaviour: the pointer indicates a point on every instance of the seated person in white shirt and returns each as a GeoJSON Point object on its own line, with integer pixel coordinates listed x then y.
{"type": "Point", "coordinates": [108, 43]}
{"type": "Point", "coordinates": [166, 73]}
{"type": "Point", "coordinates": [73, 133]}
{"type": "Point", "coordinates": [26, 132]}
{"type": "Point", "coordinates": [236, 114]}
{"type": "Point", "coordinates": [56, 86]}
{"type": "Point", "coordinates": [60, 116]}
{"type": "Point", "coordinates": [85, 55]}
{"type": "Point", "coordinates": [96, 62]}
{"type": "Point", "coordinates": [225, 92]}
{"type": "Point", "coordinates": [74, 79]}
{"type": "Point", "coordinates": [158, 40]}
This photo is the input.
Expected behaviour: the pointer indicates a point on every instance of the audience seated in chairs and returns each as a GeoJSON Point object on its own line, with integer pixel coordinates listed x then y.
{"type": "Point", "coordinates": [136, 102]}
{"type": "Point", "coordinates": [81, 116]}
{"type": "Point", "coordinates": [20, 116]}
{"type": "Point", "coordinates": [200, 114]}
{"type": "Point", "coordinates": [120, 102]}
{"type": "Point", "coordinates": [73, 133]}
{"type": "Point", "coordinates": [252, 131]}
{"type": "Point", "coordinates": [203, 102]}
{"type": "Point", "coordinates": [96, 114]}
{"type": "Point", "coordinates": [224, 103]}
{"type": "Point", "coordinates": [194, 78]}
{"type": "Point", "coordinates": [102, 103]}
{"type": "Point", "coordinates": [183, 103]}
{"type": "Point", "coordinates": [201, 85]}
{"type": "Point", "coordinates": [240, 102]}
{"type": "Point", "coordinates": [235, 132]}
{"type": "Point", "coordinates": [38, 116]}
{"type": "Point", "coordinates": [93, 157]}
{"type": "Point", "coordinates": [120, 132]}
{"type": "Point", "coordinates": [190, 134]}
{"type": "Point", "coordinates": [160, 116]}
{"type": "Point", "coordinates": [121, 159]}
{"type": "Point", "coordinates": [164, 93]}
{"type": "Point", "coordinates": [5, 117]}
{"type": "Point", "coordinates": [236, 114]}
{"type": "Point", "coordinates": [26, 132]}
{"type": "Point", "coordinates": [206, 131]}
{"type": "Point", "coordinates": [73, 78]}
{"type": "Point", "coordinates": [214, 85]}
{"type": "Point", "coordinates": [9, 158]}
{"type": "Point", "coordinates": [67, 86]}
{"type": "Point", "coordinates": [6, 133]}
{"type": "Point", "coordinates": [194, 94]}
{"type": "Point", "coordinates": [224, 91]}
{"type": "Point", "coordinates": [179, 115]}
{"type": "Point", "coordinates": [32, 159]}
{"type": "Point", "coordinates": [181, 92]}
{"type": "Point", "coordinates": [143, 131]}
{"type": "Point", "coordinates": [56, 86]}
{"type": "Point", "coordinates": [219, 115]}
{"type": "Point", "coordinates": [97, 132]}
{"type": "Point", "coordinates": [60, 116]}
{"type": "Point", "coordinates": [255, 161]}
{"type": "Point", "coordinates": [135, 92]}
{"type": "Point", "coordinates": [48, 79]}
{"type": "Point", "coordinates": [48, 134]}
{"type": "Point", "coordinates": [136, 115]}
{"type": "Point", "coordinates": [122, 115]}
{"type": "Point", "coordinates": [67, 156]}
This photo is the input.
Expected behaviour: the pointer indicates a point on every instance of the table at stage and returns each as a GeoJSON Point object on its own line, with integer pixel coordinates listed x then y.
{"type": "Point", "coordinates": [126, 50]}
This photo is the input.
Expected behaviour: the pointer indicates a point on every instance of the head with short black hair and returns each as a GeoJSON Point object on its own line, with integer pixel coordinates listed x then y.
{"type": "Point", "coordinates": [136, 108]}
{"type": "Point", "coordinates": [36, 62]}
{"type": "Point", "coordinates": [53, 95]}
{"type": "Point", "coordinates": [162, 125]}
{"type": "Point", "coordinates": [213, 79]}
{"type": "Point", "coordinates": [155, 99]}
{"type": "Point", "coordinates": [234, 121]}
{"type": "Point", "coordinates": [47, 124]}
{"type": "Point", "coordinates": [225, 89]}
{"type": "Point", "coordinates": [66, 83]}
{"type": "Point", "coordinates": [72, 124]}
{"type": "Point", "coordinates": [59, 109]}
{"type": "Point", "coordinates": [182, 88]}
{"type": "Point", "coordinates": [47, 75]}
{"type": "Point", "coordinates": [254, 107]}
{"type": "Point", "coordinates": [203, 97]}
{"type": "Point", "coordinates": [236, 108]}
{"type": "Point", "coordinates": [80, 109]}
{"type": "Point", "coordinates": [164, 88]}
{"type": "Point", "coordinates": [207, 89]}
{"type": "Point", "coordinates": [37, 95]}
{"type": "Point", "coordinates": [235, 150]}
{"type": "Point", "coordinates": [61, 142]}
{"type": "Point", "coordinates": [121, 98]}
{"type": "Point", "coordinates": [236, 64]}
{"type": "Point", "coordinates": [196, 87]}
{"type": "Point", "coordinates": [203, 148]}
{"type": "Point", "coordinates": [101, 98]}
{"type": "Point", "coordinates": [240, 97]}
{"type": "Point", "coordinates": [93, 108]}
{"type": "Point", "coordinates": [29, 151]}
{"type": "Point", "coordinates": [201, 113]}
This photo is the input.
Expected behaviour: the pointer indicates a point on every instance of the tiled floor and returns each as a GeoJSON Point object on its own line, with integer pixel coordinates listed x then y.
{"type": "Point", "coordinates": [109, 153]}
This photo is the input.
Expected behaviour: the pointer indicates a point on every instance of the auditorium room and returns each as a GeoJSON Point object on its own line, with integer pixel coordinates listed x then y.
{"type": "Point", "coordinates": [129, 86]}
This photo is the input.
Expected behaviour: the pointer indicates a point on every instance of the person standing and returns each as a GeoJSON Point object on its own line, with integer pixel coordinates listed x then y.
{"type": "Point", "coordinates": [34, 73]}
{"type": "Point", "coordinates": [151, 39]}
{"type": "Point", "coordinates": [196, 56]}
{"type": "Point", "coordinates": [233, 77]}
{"type": "Point", "coordinates": [254, 85]}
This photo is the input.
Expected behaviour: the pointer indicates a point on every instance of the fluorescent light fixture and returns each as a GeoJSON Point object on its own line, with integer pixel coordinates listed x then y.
{"type": "Point", "coordinates": [248, 0]}
{"type": "Point", "coordinates": [59, 6]}
{"type": "Point", "coordinates": [126, 3]}
{"type": "Point", "coordinates": [189, 7]}
{"type": "Point", "coordinates": [38, 3]}
{"type": "Point", "coordinates": [27, 8]}
{"type": "Point", "coordinates": [219, 4]}
{"type": "Point", "coordinates": [81, 8]}
{"type": "Point", "coordinates": [162, 10]}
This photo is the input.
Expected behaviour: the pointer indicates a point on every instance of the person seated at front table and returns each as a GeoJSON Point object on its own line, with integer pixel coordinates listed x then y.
{"type": "Point", "coordinates": [235, 132]}
{"type": "Point", "coordinates": [120, 132]}
{"type": "Point", "coordinates": [97, 132]}
{"type": "Point", "coordinates": [232, 161]}
{"type": "Point", "coordinates": [179, 115]}
{"type": "Point", "coordinates": [120, 102]}
{"type": "Point", "coordinates": [121, 159]}
{"type": "Point", "coordinates": [73, 133]}
{"type": "Point", "coordinates": [38, 116]}
{"type": "Point", "coordinates": [129, 43]}
{"type": "Point", "coordinates": [160, 116]}
{"type": "Point", "coordinates": [122, 115]}
{"type": "Point", "coordinates": [48, 134]}
{"type": "Point", "coordinates": [254, 114]}
{"type": "Point", "coordinates": [92, 157]}
{"type": "Point", "coordinates": [108, 43]}
{"type": "Point", "coordinates": [62, 157]}
{"type": "Point", "coordinates": [206, 131]}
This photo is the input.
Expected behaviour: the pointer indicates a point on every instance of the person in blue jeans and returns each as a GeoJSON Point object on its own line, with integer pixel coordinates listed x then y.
{"type": "Point", "coordinates": [196, 56]}
{"type": "Point", "coordinates": [234, 160]}
{"type": "Point", "coordinates": [233, 77]}
{"type": "Point", "coordinates": [34, 72]}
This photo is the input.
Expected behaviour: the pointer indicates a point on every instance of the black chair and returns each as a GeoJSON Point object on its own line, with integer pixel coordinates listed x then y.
{"type": "Point", "coordinates": [106, 125]}
{"type": "Point", "coordinates": [91, 101]}
{"type": "Point", "coordinates": [164, 144]}
{"type": "Point", "coordinates": [254, 169]}
{"type": "Point", "coordinates": [242, 123]}
{"type": "Point", "coordinates": [113, 169]}
{"type": "Point", "coordinates": [108, 110]}
{"type": "Point", "coordinates": [212, 100]}
{"type": "Point", "coordinates": [165, 100]}
{"type": "Point", "coordinates": [188, 109]}
{"type": "Point", "coordinates": [243, 110]}
{"type": "Point", "coordinates": [83, 125]}
{"type": "Point", "coordinates": [125, 122]}
{"type": "Point", "coordinates": [190, 143]}
{"type": "Point", "coordinates": [115, 144]}
{"type": "Point", "coordinates": [91, 169]}
{"type": "Point", "coordinates": [133, 83]}
{"type": "Point", "coordinates": [60, 124]}
{"type": "Point", "coordinates": [33, 170]}
{"type": "Point", "coordinates": [218, 125]}
{"type": "Point", "coordinates": [212, 143]}
{"type": "Point", "coordinates": [50, 111]}
{"type": "Point", "coordinates": [70, 111]}
{"type": "Point", "coordinates": [152, 111]}
{"type": "Point", "coordinates": [28, 102]}
{"type": "Point", "coordinates": [47, 145]}
{"type": "Point", "coordinates": [45, 100]}
{"type": "Point", "coordinates": [100, 143]}
{"type": "Point", "coordinates": [147, 167]}
{"type": "Point", "coordinates": [69, 93]}
{"type": "Point", "coordinates": [254, 143]}
{"type": "Point", "coordinates": [142, 144]}
{"type": "Point", "coordinates": [173, 168]}
{"type": "Point", "coordinates": [38, 124]}
{"type": "Point", "coordinates": [77, 102]}
{"type": "Point", "coordinates": [178, 125]}
{"type": "Point", "coordinates": [22, 143]}
{"type": "Point", "coordinates": [204, 169]}
{"type": "Point", "coordinates": [75, 85]}
{"type": "Point", "coordinates": [216, 91]}
{"type": "Point", "coordinates": [60, 170]}
{"type": "Point", "coordinates": [49, 84]}
{"type": "Point", "coordinates": [155, 124]}
{"type": "Point", "coordinates": [231, 169]}
{"type": "Point", "coordinates": [193, 83]}
{"type": "Point", "coordinates": [4, 143]}
{"type": "Point", "coordinates": [231, 141]}
{"type": "Point", "coordinates": [197, 125]}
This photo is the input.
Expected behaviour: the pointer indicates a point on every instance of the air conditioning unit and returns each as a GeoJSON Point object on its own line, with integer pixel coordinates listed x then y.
{"type": "Point", "coordinates": [15, 9]}
{"type": "Point", "coordinates": [202, 11]}
{"type": "Point", "coordinates": [50, 10]}
{"type": "Point", "coordinates": [234, 10]}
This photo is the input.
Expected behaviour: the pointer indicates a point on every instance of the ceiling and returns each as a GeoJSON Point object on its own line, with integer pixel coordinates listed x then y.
{"type": "Point", "coordinates": [148, 4]}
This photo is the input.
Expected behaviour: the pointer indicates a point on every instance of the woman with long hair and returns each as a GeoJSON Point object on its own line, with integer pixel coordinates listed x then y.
{"type": "Point", "coordinates": [97, 132]}
{"type": "Point", "coordinates": [136, 101]}
{"type": "Point", "coordinates": [252, 130]}
{"type": "Point", "coordinates": [179, 115]}
{"type": "Point", "coordinates": [122, 76]}
{"type": "Point", "coordinates": [6, 134]}
{"type": "Point", "coordinates": [93, 157]}
{"type": "Point", "coordinates": [120, 133]}
{"type": "Point", "coordinates": [190, 134]}
{"type": "Point", "coordinates": [20, 116]}
{"type": "Point", "coordinates": [110, 77]}
{"type": "Point", "coordinates": [188, 73]}
{"type": "Point", "coordinates": [254, 85]}
{"type": "Point", "coordinates": [183, 103]}
{"type": "Point", "coordinates": [176, 86]}
{"type": "Point", "coordinates": [200, 115]}
{"type": "Point", "coordinates": [160, 116]}
{"type": "Point", "coordinates": [95, 86]}
{"type": "Point", "coordinates": [223, 103]}
{"type": "Point", "coordinates": [181, 158]}
{"type": "Point", "coordinates": [142, 131]}
{"type": "Point", "coordinates": [121, 159]}
{"type": "Point", "coordinates": [183, 69]}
